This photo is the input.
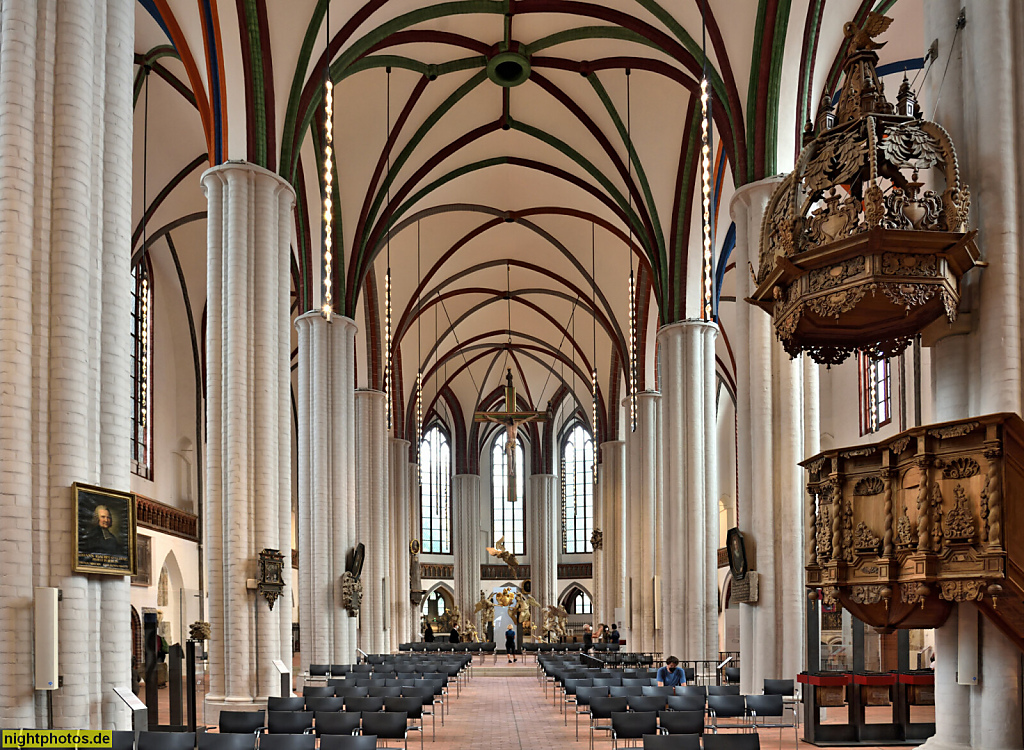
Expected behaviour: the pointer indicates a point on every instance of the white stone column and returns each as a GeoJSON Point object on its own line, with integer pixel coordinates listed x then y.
{"type": "Point", "coordinates": [373, 522]}
{"type": "Point", "coordinates": [248, 226]}
{"type": "Point", "coordinates": [612, 486]}
{"type": "Point", "coordinates": [643, 495]}
{"type": "Point", "coordinates": [398, 497]}
{"type": "Point", "coordinates": [65, 291]}
{"type": "Point", "coordinates": [466, 540]}
{"type": "Point", "coordinates": [326, 482]}
{"type": "Point", "coordinates": [690, 494]}
{"type": "Point", "coordinates": [777, 416]}
{"type": "Point", "coordinates": [545, 540]}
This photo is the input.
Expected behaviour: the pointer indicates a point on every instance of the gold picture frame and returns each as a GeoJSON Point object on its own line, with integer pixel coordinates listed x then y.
{"type": "Point", "coordinates": [105, 531]}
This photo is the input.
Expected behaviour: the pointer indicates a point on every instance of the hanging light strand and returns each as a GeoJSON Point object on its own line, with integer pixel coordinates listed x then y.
{"type": "Point", "coordinates": [593, 370]}
{"type": "Point", "coordinates": [419, 348]}
{"type": "Point", "coordinates": [388, 357]}
{"type": "Point", "coordinates": [631, 378]}
{"type": "Point", "coordinates": [328, 175]}
{"type": "Point", "coordinates": [142, 271]}
{"type": "Point", "coordinates": [705, 177]}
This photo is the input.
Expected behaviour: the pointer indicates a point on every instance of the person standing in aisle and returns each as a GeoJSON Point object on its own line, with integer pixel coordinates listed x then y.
{"type": "Point", "coordinates": [510, 643]}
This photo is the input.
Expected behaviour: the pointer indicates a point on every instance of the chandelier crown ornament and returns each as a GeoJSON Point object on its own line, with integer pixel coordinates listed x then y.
{"type": "Point", "coordinates": [865, 243]}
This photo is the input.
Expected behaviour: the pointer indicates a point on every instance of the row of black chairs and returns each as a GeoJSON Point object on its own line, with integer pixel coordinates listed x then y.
{"type": "Point", "coordinates": [126, 740]}
{"type": "Point", "coordinates": [657, 741]}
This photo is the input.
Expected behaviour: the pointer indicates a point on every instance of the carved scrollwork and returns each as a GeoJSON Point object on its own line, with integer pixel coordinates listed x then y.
{"type": "Point", "coordinates": [909, 265]}
{"type": "Point", "coordinates": [899, 445]}
{"type": "Point", "coordinates": [908, 295]}
{"type": "Point", "coordinates": [914, 593]}
{"type": "Point", "coordinates": [847, 543]}
{"type": "Point", "coordinates": [832, 276]}
{"type": "Point", "coordinates": [838, 218]}
{"type": "Point", "coordinates": [824, 532]}
{"type": "Point", "coordinates": [870, 593]}
{"type": "Point", "coordinates": [904, 531]}
{"type": "Point", "coordinates": [865, 540]}
{"type": "Point", "coordinates": [992, 497]}
{"type": "Point", "coordinates": [835, 304]}
{"type": "Point", "coordinates": [958, 524]}
{"type": "Point", "coordinates": [597, 539]}
{"type": "Point", "coordinates": [874, 207]}
{"type": "Point", "coordinates": [961, 468]}
{"type": "Point", "coordinates": [962, 591]}
{"type": "Point", "coordinates": [956, 208]}
{"type": "Point", "coordinates": [869, 486]}
{"type": "Point", "coordinates": [953, 431]}
{"type": "Point", "coordinates": [814, 467]}
{"type": "Point", "coordinates": [924, 515]}
{"type": "Point", "coordinates": [859, 452]}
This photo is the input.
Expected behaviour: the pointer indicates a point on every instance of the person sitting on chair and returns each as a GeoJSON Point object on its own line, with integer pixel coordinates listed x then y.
{"type": "Point", "coordinates": [671, 675]}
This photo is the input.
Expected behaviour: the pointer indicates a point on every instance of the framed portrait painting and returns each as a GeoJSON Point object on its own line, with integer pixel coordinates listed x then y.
{"type": "Point", "coordinates": [105, 531]}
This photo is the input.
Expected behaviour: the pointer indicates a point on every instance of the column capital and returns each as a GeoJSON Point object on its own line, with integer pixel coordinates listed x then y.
{"type": "Point", "coordinates": [685, 325]}
{"type": "Point", "coordinates": [310, 319]}
{"type": "Point", "coordinates": [223, 171]}
{"type": "Point", "coordinates": [399, 442]}
{"type": "Point", "coordinates": [754, 194]}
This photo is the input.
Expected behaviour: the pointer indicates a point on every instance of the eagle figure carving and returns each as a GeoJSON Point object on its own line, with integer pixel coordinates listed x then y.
{"type": "Point", "coordinates": [875, 25]}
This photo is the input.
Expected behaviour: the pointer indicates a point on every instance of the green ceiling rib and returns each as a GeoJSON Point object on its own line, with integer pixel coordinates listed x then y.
{"type": "Point", "coordinates": [587, 32]}
{"type": "Point", "coordinates": [752, 85]}
{"type": "Point", "coordinates": [258, 82]}
{"type": "Point", "coordinates": [680, 261]}
{"type": "Point", "coordinates": [771, 146]}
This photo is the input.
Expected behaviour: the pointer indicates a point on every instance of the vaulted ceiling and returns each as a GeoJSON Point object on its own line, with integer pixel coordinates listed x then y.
{"type": "Point", "coordinates": [510, 215]}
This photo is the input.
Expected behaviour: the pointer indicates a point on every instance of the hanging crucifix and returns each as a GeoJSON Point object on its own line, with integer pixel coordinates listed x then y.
{"type": "Point", "coordinates": [511, 418]}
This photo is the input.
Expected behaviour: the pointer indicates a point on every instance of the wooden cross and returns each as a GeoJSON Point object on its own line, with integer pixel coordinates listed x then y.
{"type": "Point", "coordinates": [511, 418]}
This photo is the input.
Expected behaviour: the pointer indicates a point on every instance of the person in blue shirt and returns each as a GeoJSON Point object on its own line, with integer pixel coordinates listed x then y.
{"type": "Point", "coordinates": [671, 675]}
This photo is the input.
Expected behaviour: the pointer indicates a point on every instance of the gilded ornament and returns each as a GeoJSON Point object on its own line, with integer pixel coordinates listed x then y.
{"type": "Point", "coordinates": [832, 276]}
{"type": "Point", "coordinates": [908, 265]}
{"type": "Point", "coordinates": [908, 295]}
{"type": "Point", "coordinates": [914, 593]}
{"type": "Point", "coordinates": [351, 594]}
{"type": "Point", "coordinates": [899, 445]}
{"type": "Point", "coordinates": [870, 594]}
{"type": "Point", "coordinates": [835, 304]}
{"type": "Point", "coordinates": [596, 539]}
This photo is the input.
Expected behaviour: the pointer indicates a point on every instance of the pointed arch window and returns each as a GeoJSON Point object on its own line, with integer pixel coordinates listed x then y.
{"type": "Point", "coordinates": [577, 490]}
{"type": "Point", "coordinates": [508, 517]}
{"type": "Point", "coordinates": [141, 367]}
{"type": "Point", "coordinates": [578, 602]}
{"type": "Point", "coordinates": [435, 492]}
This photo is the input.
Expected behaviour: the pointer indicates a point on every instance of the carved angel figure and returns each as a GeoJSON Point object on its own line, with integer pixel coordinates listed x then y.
{"type": "Point", "coordinates": [506, 556]}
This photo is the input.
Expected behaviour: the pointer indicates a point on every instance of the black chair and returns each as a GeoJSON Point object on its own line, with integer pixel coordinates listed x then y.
{"type": "Point", "coordinates": [686, 703]}
{"type": "Point", "coordinates": [366, 705]}
{"type": "Point", "coordinates": [607, 681]}
{"type": "Point", "coordinates": [412, 707]}
{"type": "Point", "coordinates": [633, 681]}
{"type": "Point", "coordinates": [241, 722]}
{"type": "Point", "coordinates": [727, 707]}
{"type": "Point", "coordinates": [319, 670]}
{"type": "Point", "coordinates": [658, 690]}
{"type": "Point", "coordinates": [289, 722]}
{"type": "Point", "coordinates": [385, 691]}
{"type": "Point", "coordinates": [352, 691]}
{"type": "Point", "coordinates": [768, 712]}
{"type": "Point", "coordinates": [723, 689]}
{"type": "Point", "coordinates": [122, 739]}
{"type": "Point", "coordinates": [426, 696]}
{"type": "Point", "coordinates": [216, 741]}
{"type": "Point", "coordinates": [644, 703]}
{"type": "Point", "coordinates": [691, 690]}
{"type": "Point", "coordinates": [288, 742]}
{"type": "Point", "coordinates": [166, 741]}
{"type": "Point", "coordinates": [778, 687]}
{"type": "Point", "coordinates": [290, 703]}
{"type": "Point", "coordinates": [732, 741]}
{"type": "Point", "coordinates": [387, 726]}
{"type": "Point", "coordinates": [671, 742]}
{"type": "Point", "coordinates": [348, 742]}
{"type": "Point", "coordinates": [682, 722]}
{"type": "Point", "coordinates": [315, 691]}
{"type": "Point", "coordinates": [732, 675]}
{"type": "Point", "coordinates": [583, 698]}
{"type": "Point", "coordinates": [362, 668]}
{"type": "Point", "coordinates": [603, 708]}
{"type": "Point", "coordinates": [329, 703]}
{"type": "Point", "coordinates": [336, 722]}
{"type": "Point", "coordinates": [690, 673]}
{"type": "Point", "coordinates": [633, 725]}
{"type": "Point", "coordinates": [337, 669]}
{"type": "Point", "coordinates": [623, 691]}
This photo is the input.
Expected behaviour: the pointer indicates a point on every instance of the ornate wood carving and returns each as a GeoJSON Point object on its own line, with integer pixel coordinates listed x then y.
{"type": "Point", "coordinates": [900, 531]}
{"type": "Point", "coordinates": [865, 242]}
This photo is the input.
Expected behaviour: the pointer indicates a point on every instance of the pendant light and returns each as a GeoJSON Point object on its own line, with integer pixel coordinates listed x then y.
{"type": "Point", "coordinates": [328, 302]}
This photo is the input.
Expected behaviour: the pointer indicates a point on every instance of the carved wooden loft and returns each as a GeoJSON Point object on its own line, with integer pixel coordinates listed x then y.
{"type": "Point", "coordinates": [900, 530]}
{"type": "Point", "coordinates": [865, 242]}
